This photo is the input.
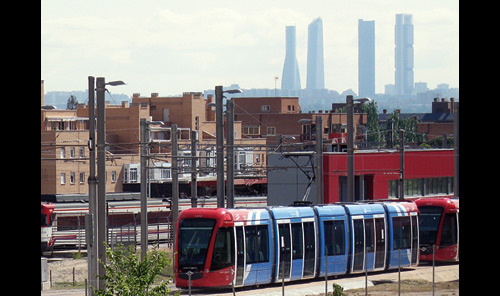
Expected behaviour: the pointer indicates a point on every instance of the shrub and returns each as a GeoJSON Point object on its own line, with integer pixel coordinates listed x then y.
{"type": "Point", "coordinates": [127, 275]}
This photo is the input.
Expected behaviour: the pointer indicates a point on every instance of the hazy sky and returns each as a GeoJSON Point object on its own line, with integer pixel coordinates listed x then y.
{"type": "Point", "coordinates": [171, 47]}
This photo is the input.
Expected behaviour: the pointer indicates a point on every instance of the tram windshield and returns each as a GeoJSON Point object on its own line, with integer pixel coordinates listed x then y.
{"type": "Point", "coordinates": [194, 238]}
{"type": "Point", "coordinates": [429, 224]}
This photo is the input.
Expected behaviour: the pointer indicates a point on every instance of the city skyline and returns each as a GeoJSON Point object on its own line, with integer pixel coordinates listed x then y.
{"type": "Point", "coordinates": [193, 45]}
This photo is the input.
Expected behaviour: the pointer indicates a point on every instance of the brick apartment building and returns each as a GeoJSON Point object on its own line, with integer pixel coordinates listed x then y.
{"type": "Point", "coordinates": [272, 117]}
{"type": "Point", "coordinates": [64, 140]}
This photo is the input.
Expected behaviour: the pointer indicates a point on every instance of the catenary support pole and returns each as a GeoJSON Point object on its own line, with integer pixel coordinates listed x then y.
{"type": "Point", "coordinates": [144, 181]}
{"type": "Point", "coordinates": [175, 177]}
{"type": "Point", "coordinates": [101, 175]}
{"type": "Point", "coordinates": [219, 140]}
{"type": "Point", "coordinates": [194, 183]}
{"type": "Point", "coordinates": [350, 148]}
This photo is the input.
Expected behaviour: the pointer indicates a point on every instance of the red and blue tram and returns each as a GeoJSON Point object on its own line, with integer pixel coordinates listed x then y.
{"type": "Point", "coordinates": [253, 246]}
{"type": "Point", "coordinates": [47, 217]}
{"type": "Point", "coordinates": [439, 226]}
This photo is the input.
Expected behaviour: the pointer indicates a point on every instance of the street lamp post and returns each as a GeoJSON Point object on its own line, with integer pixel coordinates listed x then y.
{"type": "Point", "coordinates": [350, 144]}
{"type": "Point", "coordinates": [145, 180]}
{"type": "Point", "coordinates": [219, 137]}
{"type": "Point", "coordinates": [230, 153]}
{"type": "Point", "coordinates": [92, 180]}
{"type": "Point", "coordinates": [101, 175]}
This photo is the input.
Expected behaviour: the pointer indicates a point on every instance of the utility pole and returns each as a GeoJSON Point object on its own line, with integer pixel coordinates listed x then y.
{"type": "Point", "coordinates": [401, 164]}
{"type": "Point", "coordinates": [219, 138]}
{"type": "Point", "coordinates": [144, 181]}
{"type": "Point", "coordinates": [230, 153]}
{"type": "Point", "coordinates": [175, 177]}
{"type": "Point", "coordinates": [319, 160]}
{"type": "Point", "coordinates": [92, 180]}
{"type": "Point", "coordinates": [194, 183]}
{"type": "Point", "coordinates": [101, 175]}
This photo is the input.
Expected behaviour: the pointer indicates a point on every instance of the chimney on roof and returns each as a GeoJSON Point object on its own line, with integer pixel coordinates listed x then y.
{"type": "Point", "coordinates": [136, 95]}
{"type": "Point", "coordinates": [154, 95]}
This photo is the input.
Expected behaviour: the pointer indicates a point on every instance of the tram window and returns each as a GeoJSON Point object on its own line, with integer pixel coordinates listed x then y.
{"type": "Point", "coordinates": [429, 223]}
{"type": "Point", "coordinates": [194, 237]}
{"type": "Point", "coordinates": [402, 232]}
{"type": "Point", "coordinates": [44, 219]}
{"type": "Point", "coordinates": [297, 241]}
{"type": "Point", "coordinates": [257, 244]}
{"type": "Point", "coordinates": [222, 255]}
{"type": "Point", "coordinates": [449, 233]}
{"type": "Point", "coordinates": [262, 243]}
{"type": "Point", "coordinates": [334, 237]}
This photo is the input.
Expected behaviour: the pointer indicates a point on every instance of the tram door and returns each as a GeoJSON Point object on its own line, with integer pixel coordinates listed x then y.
{"type": "Point", "coordinates": [359, 245]}
{"type": "Point", "coordinates": [310, 249]}
{"type": "Point", "coordinates": [240, 256]}
{"type": "Point", "coordinates": [380, 243]}
{"type": "Point", "coordinates": [414, 241]}
{"type": "Point", "coordinates": [285, 254]}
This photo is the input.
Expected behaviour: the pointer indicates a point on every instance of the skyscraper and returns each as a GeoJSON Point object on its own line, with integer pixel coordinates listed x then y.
{"type": "Point", "coordinates": [366, 58]}
{"type": "Point", "coordinates": [315, 60]}
{"type": "Point", "coordinates": [404, 54]}
{"type": "Point", "coordinates": [291, 77]}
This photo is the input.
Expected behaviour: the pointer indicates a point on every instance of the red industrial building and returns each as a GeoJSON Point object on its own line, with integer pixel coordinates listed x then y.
{"type": "Point", "coordinates": [427, 173]}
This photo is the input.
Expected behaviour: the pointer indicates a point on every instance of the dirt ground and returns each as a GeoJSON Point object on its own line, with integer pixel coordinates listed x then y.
{"type": "Point", "coordinates": [408, 287]}
{"type": "Point", "coordinates": [62, 270]}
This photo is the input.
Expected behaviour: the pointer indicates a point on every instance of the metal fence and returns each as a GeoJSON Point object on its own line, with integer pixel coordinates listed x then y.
{"type": "Point", "coordinates": [123, 228]}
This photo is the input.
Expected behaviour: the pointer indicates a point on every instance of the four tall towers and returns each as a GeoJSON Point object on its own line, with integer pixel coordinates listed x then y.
{"type": "Point", "coordinates": [404, 75]}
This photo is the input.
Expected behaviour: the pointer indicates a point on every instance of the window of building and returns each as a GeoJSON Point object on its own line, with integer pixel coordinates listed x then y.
{"type": "Point", "coordinates": [133, 175]}
{"type": "Point", "coordinates": [62, 152]}
{"type": "Point", "coordinates": [422, 187]}
{"type": "Point", "coordinates": [251, 130]}
{"type": "Point", "coordinates": [82, 178]}
{"type": "Point", "coordinates": [271, 131]}
{"type": "Point", "coordinates": [72, 152]}
{"type": "Point", "coordinates": [82, 152]}
{"type": "Point", "coordinates": [113, 176]}
{"type": "Point", "coordinates": [72, 178]}
{"type": "Point", "coordinates": [63, 178]}
{"type": "Point", "coordinates": [265, 108]}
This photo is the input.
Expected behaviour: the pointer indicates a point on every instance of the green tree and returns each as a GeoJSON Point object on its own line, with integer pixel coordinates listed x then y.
{"type": "Point", "coordinates": [127, 275]}
{"type": "Point", "coordinates": [409, 125]}
{"type": "Point", "coordinates": [71, 103]}
{"type": "Point", "coordinates": [374, 136]}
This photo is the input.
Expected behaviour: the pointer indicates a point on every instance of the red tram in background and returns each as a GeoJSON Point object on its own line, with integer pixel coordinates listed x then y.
{"type": "Point", "coordinates": [47, 217]}
{"type": "Point", "coordinates": [439, 226]}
